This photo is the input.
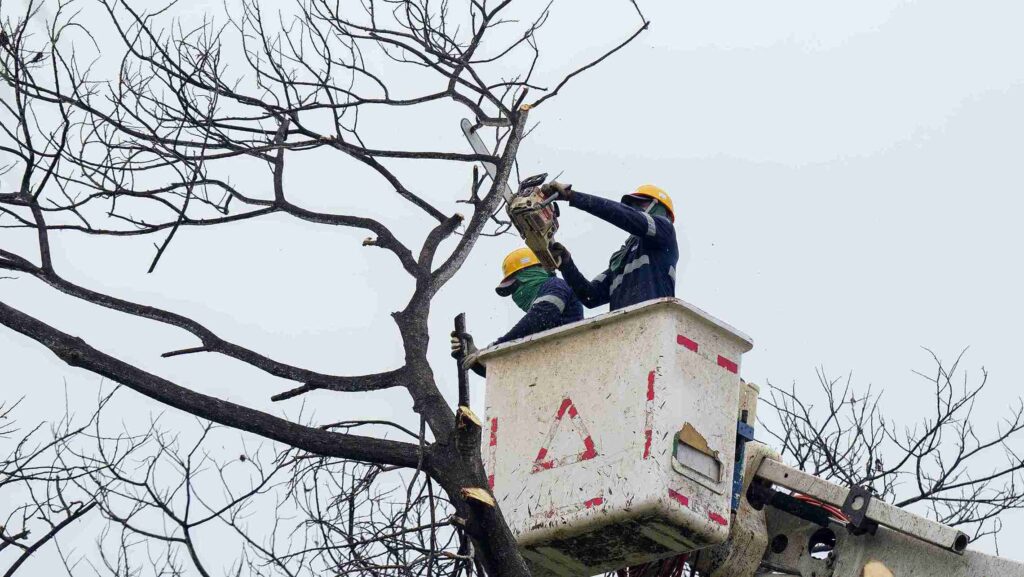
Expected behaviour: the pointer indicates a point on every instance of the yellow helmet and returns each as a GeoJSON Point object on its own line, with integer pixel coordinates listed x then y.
{"type": "Point", "coordinates": [516, 261]}
{"type": "Point", "coordinates": [651, 191]}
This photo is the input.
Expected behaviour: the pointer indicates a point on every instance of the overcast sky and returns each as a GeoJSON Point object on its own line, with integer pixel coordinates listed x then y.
{"type": "Point", "coordinates": [847, 179]}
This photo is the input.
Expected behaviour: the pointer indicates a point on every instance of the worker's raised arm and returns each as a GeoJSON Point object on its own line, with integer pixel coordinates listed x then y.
{"type": "Point", "coordinates": [656, 229]}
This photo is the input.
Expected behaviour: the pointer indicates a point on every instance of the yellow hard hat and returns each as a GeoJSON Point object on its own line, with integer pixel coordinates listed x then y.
{"type": "Point", "coordinates": [651, 191]}
{"type": "Point", "coordinates": [516, 261]}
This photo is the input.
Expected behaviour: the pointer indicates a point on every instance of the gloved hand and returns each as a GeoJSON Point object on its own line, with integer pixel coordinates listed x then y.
{"type": "Point", "coordinates": [557, 189]}
{"type": "Point", "coordinates": [462, 345]}
{"type": "Point", "coordinates": [471, 361]}
{"type": "Point", "coordinates": [561, 253]}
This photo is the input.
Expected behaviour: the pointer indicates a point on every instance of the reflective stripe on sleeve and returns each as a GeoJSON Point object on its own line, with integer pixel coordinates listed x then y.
{"type": "Point", "coordinates": [672, 272]}
{"type": "Point", "coordinates": [559, 303]}
{"type": "Point", "coordinates": [652, 229]}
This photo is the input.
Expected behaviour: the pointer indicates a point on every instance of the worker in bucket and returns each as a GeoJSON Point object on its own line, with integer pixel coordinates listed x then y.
{"type": "Point", "coordinates": [645, 267]}
{"type": "Point", "coordinates": [547, 300]}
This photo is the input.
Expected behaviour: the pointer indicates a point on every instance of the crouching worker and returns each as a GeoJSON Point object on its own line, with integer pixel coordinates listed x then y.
{"type": "Point", "coordinates": [547, 300]}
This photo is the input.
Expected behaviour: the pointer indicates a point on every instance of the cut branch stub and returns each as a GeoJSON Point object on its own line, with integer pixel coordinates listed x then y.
{"type": "Point", "coordinates": [467, 418]}
{"type": "Point", "coordinates": [478, 496]}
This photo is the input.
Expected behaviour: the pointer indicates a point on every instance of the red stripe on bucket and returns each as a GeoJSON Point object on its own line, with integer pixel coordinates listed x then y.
{"type": "Point", "coordinates": [727, 364]}
{"type": "Point", "coordinates": [649, 413]}
{"type": "Point", "coordinates": [593, 502]}
{"type": "Point", "coordinates": [492, 452]}
{"type": "Point", "coordinates": [718, 519]}
{"type": "Point", "coordinates": [692, 345]}
{"type": "Point", "coordinates": [679, 498]}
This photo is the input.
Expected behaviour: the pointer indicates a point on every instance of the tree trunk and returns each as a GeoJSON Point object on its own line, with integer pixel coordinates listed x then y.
{"type": "Point", "coordinates": [459, 467]}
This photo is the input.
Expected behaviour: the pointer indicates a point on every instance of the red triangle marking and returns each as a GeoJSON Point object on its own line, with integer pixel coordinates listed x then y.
{"type": "Point", "coordinates": [543, 462]}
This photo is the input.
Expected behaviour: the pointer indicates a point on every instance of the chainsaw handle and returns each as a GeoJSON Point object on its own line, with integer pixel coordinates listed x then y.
{"type": "Point", "coordinates": [535, 180]}
{"type": "Point", "coordinates": [554, 197]}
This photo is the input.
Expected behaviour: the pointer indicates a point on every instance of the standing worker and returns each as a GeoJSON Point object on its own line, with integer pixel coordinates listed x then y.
{"type": "Point", "coordinates": [547, 300]}
{"type": "Point", "coordinates": [645, 267]}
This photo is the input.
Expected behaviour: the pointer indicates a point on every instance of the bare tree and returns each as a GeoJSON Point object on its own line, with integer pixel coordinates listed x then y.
{"type": "Point", "coordinates": [178, 507]}
{"type": "Point", "coordinates": [40, 476]}
{"type": "Point", "coordinates": [150, 150]}
{"type": "Point", "coordinates": [954, 464]}
{"type": "Point", "coordinates": [166, 501]}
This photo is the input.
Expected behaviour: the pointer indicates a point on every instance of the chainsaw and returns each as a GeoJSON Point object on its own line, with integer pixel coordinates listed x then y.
{"type": "Point", "coordinates": [534, 217]}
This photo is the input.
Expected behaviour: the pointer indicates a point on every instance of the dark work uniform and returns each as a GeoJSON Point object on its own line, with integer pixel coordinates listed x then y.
{"type": "Point", "coordinates": [554, 306]}
{"type": "Point", "coordinates": [648, 271]}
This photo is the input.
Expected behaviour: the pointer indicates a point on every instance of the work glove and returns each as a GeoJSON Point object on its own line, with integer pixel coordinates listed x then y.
{"type": "Point", "coordinates": [561, 253]}
{"type": "Point", "coordinates": [462, 345]}
{"type": "Point", "coordinates": [463, 348]}
{"type": "Point", "coordinates": [472, 362]}
{"type": "Point", "coordinates": [558, 190]}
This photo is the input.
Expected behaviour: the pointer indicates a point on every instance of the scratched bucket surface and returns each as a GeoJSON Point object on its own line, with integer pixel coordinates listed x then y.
{"type": "Point", "coordinates": [611, 440]}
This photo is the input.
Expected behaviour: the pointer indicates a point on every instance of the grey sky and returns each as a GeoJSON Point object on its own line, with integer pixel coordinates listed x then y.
{"type": "Point", "coordinates": [848, 185]}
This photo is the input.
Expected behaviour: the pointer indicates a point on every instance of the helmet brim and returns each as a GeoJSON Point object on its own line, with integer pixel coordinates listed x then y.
{"type": "Point", "coordinates": [629, 198]}
{"type": "Point", "coordinates": [506, 287]}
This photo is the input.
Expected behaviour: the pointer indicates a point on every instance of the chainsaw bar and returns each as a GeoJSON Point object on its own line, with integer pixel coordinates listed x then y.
{"type": "Point", "coordinates": [469, 129]}
{"type": "Point", "coordinates": [535, 219]}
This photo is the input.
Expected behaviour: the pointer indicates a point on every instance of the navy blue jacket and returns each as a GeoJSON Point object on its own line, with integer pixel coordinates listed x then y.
{"type": "Point", "coordinates": [555, 305]}
{"type": "Point", "coordinates": [649, 269]}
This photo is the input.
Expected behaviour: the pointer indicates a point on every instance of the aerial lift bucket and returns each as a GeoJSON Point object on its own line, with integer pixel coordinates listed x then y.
{"type": "Point", "coordinates": [612, 440]}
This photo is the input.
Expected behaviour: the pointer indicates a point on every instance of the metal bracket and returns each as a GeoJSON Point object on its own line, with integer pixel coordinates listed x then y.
{"type": "Point", "coordinates": [744, 432]}
{"type": "Point", "coordinates": [744, 435]}
{"type": "Point", "coordinates": [856, 510]}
